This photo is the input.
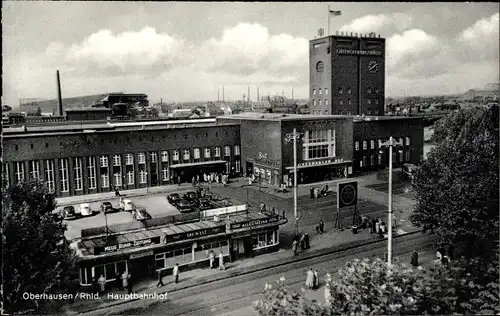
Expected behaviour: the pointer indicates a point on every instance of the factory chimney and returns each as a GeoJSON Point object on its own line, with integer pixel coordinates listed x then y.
{"type": "Point", "coordinates": [223, 96]}
{"type": "Point", "coordinates": [59, 97]}
{"type": "Point", "coordinates": [258, 96]}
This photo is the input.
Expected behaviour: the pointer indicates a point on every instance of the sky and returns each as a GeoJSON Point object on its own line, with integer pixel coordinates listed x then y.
{"type": "Point", "coordinates": [178, 51]}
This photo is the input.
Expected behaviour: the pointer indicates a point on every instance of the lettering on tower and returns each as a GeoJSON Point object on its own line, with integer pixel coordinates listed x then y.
{"type": "Point", "coordinates": [359, 52]}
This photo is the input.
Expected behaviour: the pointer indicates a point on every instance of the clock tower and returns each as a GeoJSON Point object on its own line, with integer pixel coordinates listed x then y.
{"type": "Point", "coordinates": [347, 74]}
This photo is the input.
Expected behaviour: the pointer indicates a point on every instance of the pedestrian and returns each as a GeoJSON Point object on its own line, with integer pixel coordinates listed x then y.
{"type": "Point", "coordinates": [382, 226]}
{"type": "Point", "coordinates": [221, 261]}
{"type": "Point", "coordinates": [179, 180]}
{"type": "Point", "coordinates": [95, 286]}
{"type": "Point", "coordinates": [117, 280]}
{"type": "Point", "coordinates": [306, 239]}
{"type": "Point", "coordinates": [212, 258]}
{"type": "Point", "coordinates": [414, 259]}
{"type": "Point", "coordinates": [175, 272]}
{"type": "Point", "coordinates": [302, 242]}
{"type": "Point", "coordinates": [316, 280]}
{"type": "Point", "coordinates": [204, 177]}
{"type": "Point", "coordinates": [294, 247]}
{"type": "Point", "coordinates": [249, 180]}
{"type": "Point", "coordinates": [102, 284]}
{"type": "Point", "coordinates": [394, 221]}
{"type": "Point", "coordinates": [129, 284]}
{"type": "Point", "coordinates": [363, 222]}
{"type": "Point", "coordinates": [380, 234]}
{"type": "Point", "coordinates": [377, 227]}
{"type": "Point", "coordinates": [160, 279]}
{"type": "Point", "coordinates": [310, 279]}
{"type": "Point", "coordinates": [321, 226]}
{"type": "Point", "coordinates": [311, 191]}
{"type": "Point", "coordinates": [117, 192]}
{"type": "Point", "coordinates": [125, 280]}
{"type": "Point", "coordinates": [198, 178]}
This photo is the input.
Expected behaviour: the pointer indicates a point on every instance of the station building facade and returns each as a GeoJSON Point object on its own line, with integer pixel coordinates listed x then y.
{"type": "Point", "coordinates": [78, 159]}
{"type": "Point", "coordinates": [91, 158]}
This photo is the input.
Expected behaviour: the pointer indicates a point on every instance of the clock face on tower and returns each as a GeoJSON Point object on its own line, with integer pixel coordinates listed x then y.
{"type": "Point", "coordinates": [320, 66]}
{"type": "Point", "coordinates": [373, 67]}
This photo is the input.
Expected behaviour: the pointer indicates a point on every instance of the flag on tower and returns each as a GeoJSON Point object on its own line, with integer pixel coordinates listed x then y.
{"type": "Point", "coordinates": [335, 13]}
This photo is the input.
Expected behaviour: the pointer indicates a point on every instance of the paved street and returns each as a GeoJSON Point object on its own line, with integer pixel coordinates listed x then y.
{"type": "Point", "coordinates": [235, 296]}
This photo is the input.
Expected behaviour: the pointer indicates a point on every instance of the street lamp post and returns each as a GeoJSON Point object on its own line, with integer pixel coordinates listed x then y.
{"type": "Point", "coordinates": [391, 143]}
{"type": "Point", "coordinates": [292, 137]}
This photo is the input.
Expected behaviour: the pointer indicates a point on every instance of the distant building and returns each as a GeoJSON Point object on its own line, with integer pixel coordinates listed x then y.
{"type": "Point", "coordinates": [347, 75]}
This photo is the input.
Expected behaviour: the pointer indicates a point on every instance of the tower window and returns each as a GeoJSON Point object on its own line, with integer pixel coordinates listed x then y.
{"type": "Point", "coordinates": [320, 102]}
{"type": "Point", "coordinates": [314, 91]}
{"type": "Point", "coordinates": [320, 91]}
{"type": "Point", "coordinates": [326, 91]}
{"type": "Point", "coordinates": [340, 91]}
{"type": "Point", "coordinates": [376, 90]}
{"type": "Point", "coordinates": [314, 102]}
{"type": "Point", "coordinates": [349, 101]}
{"type": "Point", "coordinates": [369, 101]}
{"type": "Point", "coordinates": [341, 102]}
{"type": "Point", "coordinates": [326, 102]}
{"type": "Point", "coordinates": [349, 90]}
{"type": "Point", "coordinates": [369, 90]}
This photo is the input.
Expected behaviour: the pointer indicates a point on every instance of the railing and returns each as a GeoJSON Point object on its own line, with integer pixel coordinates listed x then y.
{"type": "Point", "coordinates": [45, 119]}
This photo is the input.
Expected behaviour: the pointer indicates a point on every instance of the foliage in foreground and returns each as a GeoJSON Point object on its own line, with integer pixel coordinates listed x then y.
{"type": "Point", "coordinates": [36, 258]}
{"type": "Point", "coordinates": [365, 287]}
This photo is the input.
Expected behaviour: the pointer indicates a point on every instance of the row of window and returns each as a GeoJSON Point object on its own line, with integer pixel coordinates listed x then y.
{"type": "Point", "coordinates": [64, 173]}
{"type": "Point", "coordinates": [341, 102]}
{"type": "Point", "coordinates": [265, 239]}
{"type": "Point", "coordinates": [189, 254]}
{"type": "Point", "coordinates": [320, 91]}
{"type": "Point", "coordinates": [320, 102]}
{"type": "Point", "coordinates": [368, 90]}
{"type": "Point", "coordinates": [399, 157]}
{"type": "Point", "coordinates": [401, 141]}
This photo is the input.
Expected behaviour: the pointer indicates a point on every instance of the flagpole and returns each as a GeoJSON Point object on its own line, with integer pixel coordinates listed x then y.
{"type": "Point", "coordinates": [329, 20]}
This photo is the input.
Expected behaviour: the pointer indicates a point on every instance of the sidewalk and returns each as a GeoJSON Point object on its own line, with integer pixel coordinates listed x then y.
{"type": "Point", "coordinates": [330, 241]}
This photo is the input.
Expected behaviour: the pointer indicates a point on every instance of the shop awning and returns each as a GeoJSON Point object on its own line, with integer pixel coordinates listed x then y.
{"type": "Point", "coordinates": [194, 164]}
{"type": "Point", "coordinates": [312, 164]}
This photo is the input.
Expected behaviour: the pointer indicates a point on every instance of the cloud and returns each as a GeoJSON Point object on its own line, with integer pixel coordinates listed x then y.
{"type": "Point", "coordinates": [381, 23]}
{"type": "Point", "coordinates": [249, 48]}
{"type": "Point", "coordinates": [480, 41]}
{"type": "Point", "coordinates": [144, 51]}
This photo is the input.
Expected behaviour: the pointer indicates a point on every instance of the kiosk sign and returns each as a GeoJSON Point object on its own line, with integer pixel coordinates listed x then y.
{"type": "Point", "coordinates": [128, 244]}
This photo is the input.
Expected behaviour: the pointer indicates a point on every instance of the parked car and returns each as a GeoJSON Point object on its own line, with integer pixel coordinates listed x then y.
{"type": "Point", "coordinates": [174, 198]}
{"type": "Point", "coordinates": [107, 207]}
{"type": "Point", "coordinates": [127, 205]}
{"type": "Point", "coordinates": [69, 212]}
{"type": "Point", "coordinates": [184, 206]}
{"type": "Point", "coordinates": [85, 209]}
{"type": "Point", "coordinates": [204, 204]}
{"type": "Point", "coordinates": [191, 196]}
{"type": "Point", "coordinates": [140, 214]}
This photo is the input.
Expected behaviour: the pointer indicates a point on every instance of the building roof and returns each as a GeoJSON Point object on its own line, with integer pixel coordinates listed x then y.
{"type": "Point", "coordinates": [383, 118]}
{"type": "Point", "coordinates": [281, 117]}
{"type": "Point", "coordinates": [89, 110]}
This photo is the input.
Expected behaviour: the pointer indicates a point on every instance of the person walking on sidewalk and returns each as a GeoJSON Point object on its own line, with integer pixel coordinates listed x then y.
{"type": "Point", "coordinates": [321, 227]}
{"type": "Point", "coordinates": [102, 284]}
{"type": "Point", "coordinates": [160, 279]}
{"type": "Point", "coordinates": [175, 272]}
{"type": "Point", "coordinates": [212, 258]}
{"type": "Point", "coordinates": [310, 279]}
{"type": "Point", "coordinates": [129, 284]}
{"type": "Point", "coordinates": [124, 280]}
{"type": "Point", "coordinates": [316, 280]}
{"type": "Point", "coordinates": [117, 192]}
{"type": "Point", "coordinates": [414, 258]}
{"type": "Point", "coordinates": [294, 247]}
{"type": "Point", "coordinates": [303, 242]}
{"type": "Point", "coordinates": [306, 240]}
{"type": "Point", "coordinates": [221, 261]}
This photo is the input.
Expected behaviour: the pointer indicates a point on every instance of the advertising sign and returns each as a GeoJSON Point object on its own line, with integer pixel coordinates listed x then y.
{"type": "Point", "coordinates": [347, 194]}
{"type": "Point", "coordinates": [125, 245]}
{"type": "Point", "coordinates": [194, 234]}
{"type": "Point", "coordinates": [253, 223]}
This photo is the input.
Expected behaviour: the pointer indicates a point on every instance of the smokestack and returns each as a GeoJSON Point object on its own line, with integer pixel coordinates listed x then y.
{"type": "Point", "coordinates": [258, 96]}
{"type": "Point", "coordinates": [218, 95]}
{"type": "Point", "coordinates": [59, 97]}
{"type": "Point", "coordinates": [223, 96]}
{"type": "Point", "coordinates": [248, 99]}
{"type": "Point", "coordinates": [292, 93]}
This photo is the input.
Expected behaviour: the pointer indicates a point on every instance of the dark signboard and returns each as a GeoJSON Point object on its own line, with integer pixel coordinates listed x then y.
{"type": "Point", "coordinates": [347, 194]}
{"type": "Point", "coordinates": [253, 223]}
{"type": "Point", "coordinates": [128, 244]}
{"type": "Point", "coordinates": [195, 234]}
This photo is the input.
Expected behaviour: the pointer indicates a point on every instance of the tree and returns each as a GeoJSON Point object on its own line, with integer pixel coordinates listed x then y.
{"type": "Point", "coordinates": [366, 286]}
{"type": "Point", "coordinates": [457, 186]}
{"type": "Point", "coordinates": [36, 256]}
{"type": "Point", "coordinates": [38, 111]}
